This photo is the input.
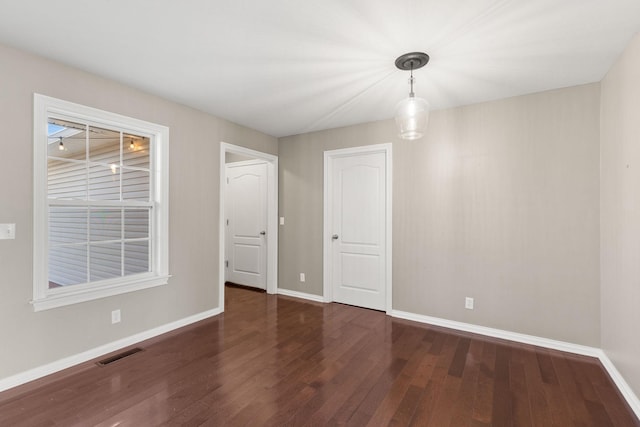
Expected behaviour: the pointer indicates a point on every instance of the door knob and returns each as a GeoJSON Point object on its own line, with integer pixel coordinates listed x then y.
{"type": "Point", "coordinates": [262, 233]}
{"type": "Point", "coordinates": [334, 237]}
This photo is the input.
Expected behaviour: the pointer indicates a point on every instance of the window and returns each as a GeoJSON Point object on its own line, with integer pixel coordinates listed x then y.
{"type": "Point", "coordinates": [101, 203]}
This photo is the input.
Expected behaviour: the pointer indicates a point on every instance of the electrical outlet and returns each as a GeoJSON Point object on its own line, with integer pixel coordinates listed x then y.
{"type": "Point", "coordinates": [281, 220]}
{"type": "Point", "coordinates": [115, 316]}
{"type": "Point", "coordinates": [468, 303]}
{"type": "Point", "coordinates": [302, 278]}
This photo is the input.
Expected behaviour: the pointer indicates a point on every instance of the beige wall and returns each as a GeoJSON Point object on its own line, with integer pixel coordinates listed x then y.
{"type": "Point", "coordinates": [500, 202]}
{"type": "Point", "coordinates": [620, 214]}
{"type": "Point", "coordinates": [32, 339]}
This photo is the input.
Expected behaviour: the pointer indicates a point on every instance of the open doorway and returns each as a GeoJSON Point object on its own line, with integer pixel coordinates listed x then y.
{"type": "Point", "coordinates": [241, 170]}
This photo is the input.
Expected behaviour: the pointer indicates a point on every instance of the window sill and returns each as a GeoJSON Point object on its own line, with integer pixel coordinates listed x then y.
{"type": "Point", "coordinates": [81, 293]}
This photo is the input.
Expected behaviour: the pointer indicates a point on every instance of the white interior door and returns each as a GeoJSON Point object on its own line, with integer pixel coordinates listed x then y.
{"type": "Point", "coordinates": [246, 212]}
{"type": "Point", "coordinates": [357, 228]}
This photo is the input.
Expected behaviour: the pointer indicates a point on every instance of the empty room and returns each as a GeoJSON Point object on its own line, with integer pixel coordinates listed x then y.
{"type": "Point", "coordinates": [279, 213]}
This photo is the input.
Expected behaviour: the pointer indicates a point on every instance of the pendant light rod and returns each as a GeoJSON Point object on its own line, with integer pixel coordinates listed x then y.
{"type": "Point", "coordinates": [412, 61]}
{"type": "Point", "coordinates": [411, 94]}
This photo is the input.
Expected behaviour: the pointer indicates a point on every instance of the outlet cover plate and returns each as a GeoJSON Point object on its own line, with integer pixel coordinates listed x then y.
{"type": "Point", "coordinates": [115, 316]}
{"type": "Point", "coordinates": [468, 303]}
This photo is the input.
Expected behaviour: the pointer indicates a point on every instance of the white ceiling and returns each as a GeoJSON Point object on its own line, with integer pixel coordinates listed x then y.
{"type": "Point", "coordinates": [292, 66]}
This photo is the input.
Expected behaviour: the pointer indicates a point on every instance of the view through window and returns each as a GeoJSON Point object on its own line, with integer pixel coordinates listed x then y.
{"type": "Point", "coordinates": [99, 203]}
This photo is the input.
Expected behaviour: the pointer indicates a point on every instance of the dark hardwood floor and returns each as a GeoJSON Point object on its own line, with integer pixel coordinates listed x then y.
{"type": "Point", "coordinates": [277, 361]}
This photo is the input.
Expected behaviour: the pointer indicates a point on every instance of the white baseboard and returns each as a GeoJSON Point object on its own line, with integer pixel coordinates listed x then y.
{"type": "Point", "coordinates": [620, 382]}
{"type": "Point", "coordinates": [303, 295]}
{"type": "Point", "coordinates": [67, 362]}
{"type": "Point", "coordinates": [617, 378]}
{"type": "Point", "coordinates": [499, 333]}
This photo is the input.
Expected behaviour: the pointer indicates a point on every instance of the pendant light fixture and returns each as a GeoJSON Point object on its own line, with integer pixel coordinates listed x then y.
{"type": "Point", "coordinates": [412, 114]}
{"type": "Point", "coordinates": [61, 145]}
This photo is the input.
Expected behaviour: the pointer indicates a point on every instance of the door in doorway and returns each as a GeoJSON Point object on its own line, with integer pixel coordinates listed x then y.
{"type": "Point", "coordinates": [357, 228]}
{"type": "Point", "coordinates": [246, 216]}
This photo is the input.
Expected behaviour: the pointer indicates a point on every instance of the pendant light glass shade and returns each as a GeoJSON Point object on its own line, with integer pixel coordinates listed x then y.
{"type": "Point", "coordinates": [412, 117]}
{"type": "Point", "coordinates": [412, 114]}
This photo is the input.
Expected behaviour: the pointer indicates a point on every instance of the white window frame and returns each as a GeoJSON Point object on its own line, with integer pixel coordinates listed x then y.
{"type": "Point", "coordinates": [45, 298]}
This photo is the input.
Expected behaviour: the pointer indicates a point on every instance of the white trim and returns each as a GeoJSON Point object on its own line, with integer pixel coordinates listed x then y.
{"type": "Point", "coordinates": [326, 233]}
{"type": "Point", "coordinates": [67, 362]}
{"type": "Point", "coordinates": [246, 163]}
{"type": "Point", "coordinates": [302, 295]}
{"type": "Point", "coordinates": [616, 376]}
{"type": "Point", "coordinates": [45, 298]}
{"type": "Point", "coordinates": [499, 333]}
{"type": "Point", "coordinates": [80, 293]}
{"type": "Point", "coordinates": [623, 386]}
{"type": "Point", "coordinates": [389, 225]}
{"type": "Point", "coordinates": [272, 216]}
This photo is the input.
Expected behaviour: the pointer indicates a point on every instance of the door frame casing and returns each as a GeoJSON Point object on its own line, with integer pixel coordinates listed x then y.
{"type": "Point", "coordinates": [272, 215]}
{"type": "Point", "coordinates": [327, 232]}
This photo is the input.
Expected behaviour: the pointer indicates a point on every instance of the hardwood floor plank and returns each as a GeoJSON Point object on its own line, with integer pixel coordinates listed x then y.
{"type": "Point", "coordinates": [502, 399]}
{"type": "Point", "coordinates": [459, 358]}
{"type": "Point", "coordinates": [547, 372]}
{"type": "Point", "coordinates": [377, 393]}
{"type": "Point", "coordinates": [278, 361]}
{"type": "Point", "coordinates": [538, 405]}
{"type": "Point", "coordinates": [409, 346]}
{"type": "Point", "coordinates": [584, 385]}
{"type": "Point", "coordinates": [346, 410]}
{"type": "Point", "coordinates": [616, 408]}
{"type": "Point", "coordinates": [571, 391]}
{"type": "Point", "coordinates": [463, 407]}
{"type": "Point", "coordinates": [444, 405]}
{"type": "Point", "coordinates": [483, 402]}
{"type": "Point", "coordinates": [558, 406]}
{"type": "Point", "coordinates": [521, 411]}
{"type": "Point", "coordinates": [407, 406]}
{"type": "Point", "coordinates": [445, 346]}
{"type": "Point", "coordinates": [343, 383]}
{"type": "Point", "coordinates": [599, 414]}
{"type": "Point", "coordinates": [336, 382]}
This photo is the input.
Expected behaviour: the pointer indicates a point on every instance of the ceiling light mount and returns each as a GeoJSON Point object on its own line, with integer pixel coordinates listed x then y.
{"type": "Point", "coordinates": [412, 114]}
{"type": "Point", "coordinates": [412, 61]}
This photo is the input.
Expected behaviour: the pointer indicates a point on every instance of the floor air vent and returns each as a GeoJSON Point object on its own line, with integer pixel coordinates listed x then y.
{"type": "Point", "coordinates": [119, 356]}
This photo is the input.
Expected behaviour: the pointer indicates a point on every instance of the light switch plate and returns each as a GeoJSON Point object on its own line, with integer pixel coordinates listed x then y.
{"type": "Point", "coordinates": [7, 231]}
